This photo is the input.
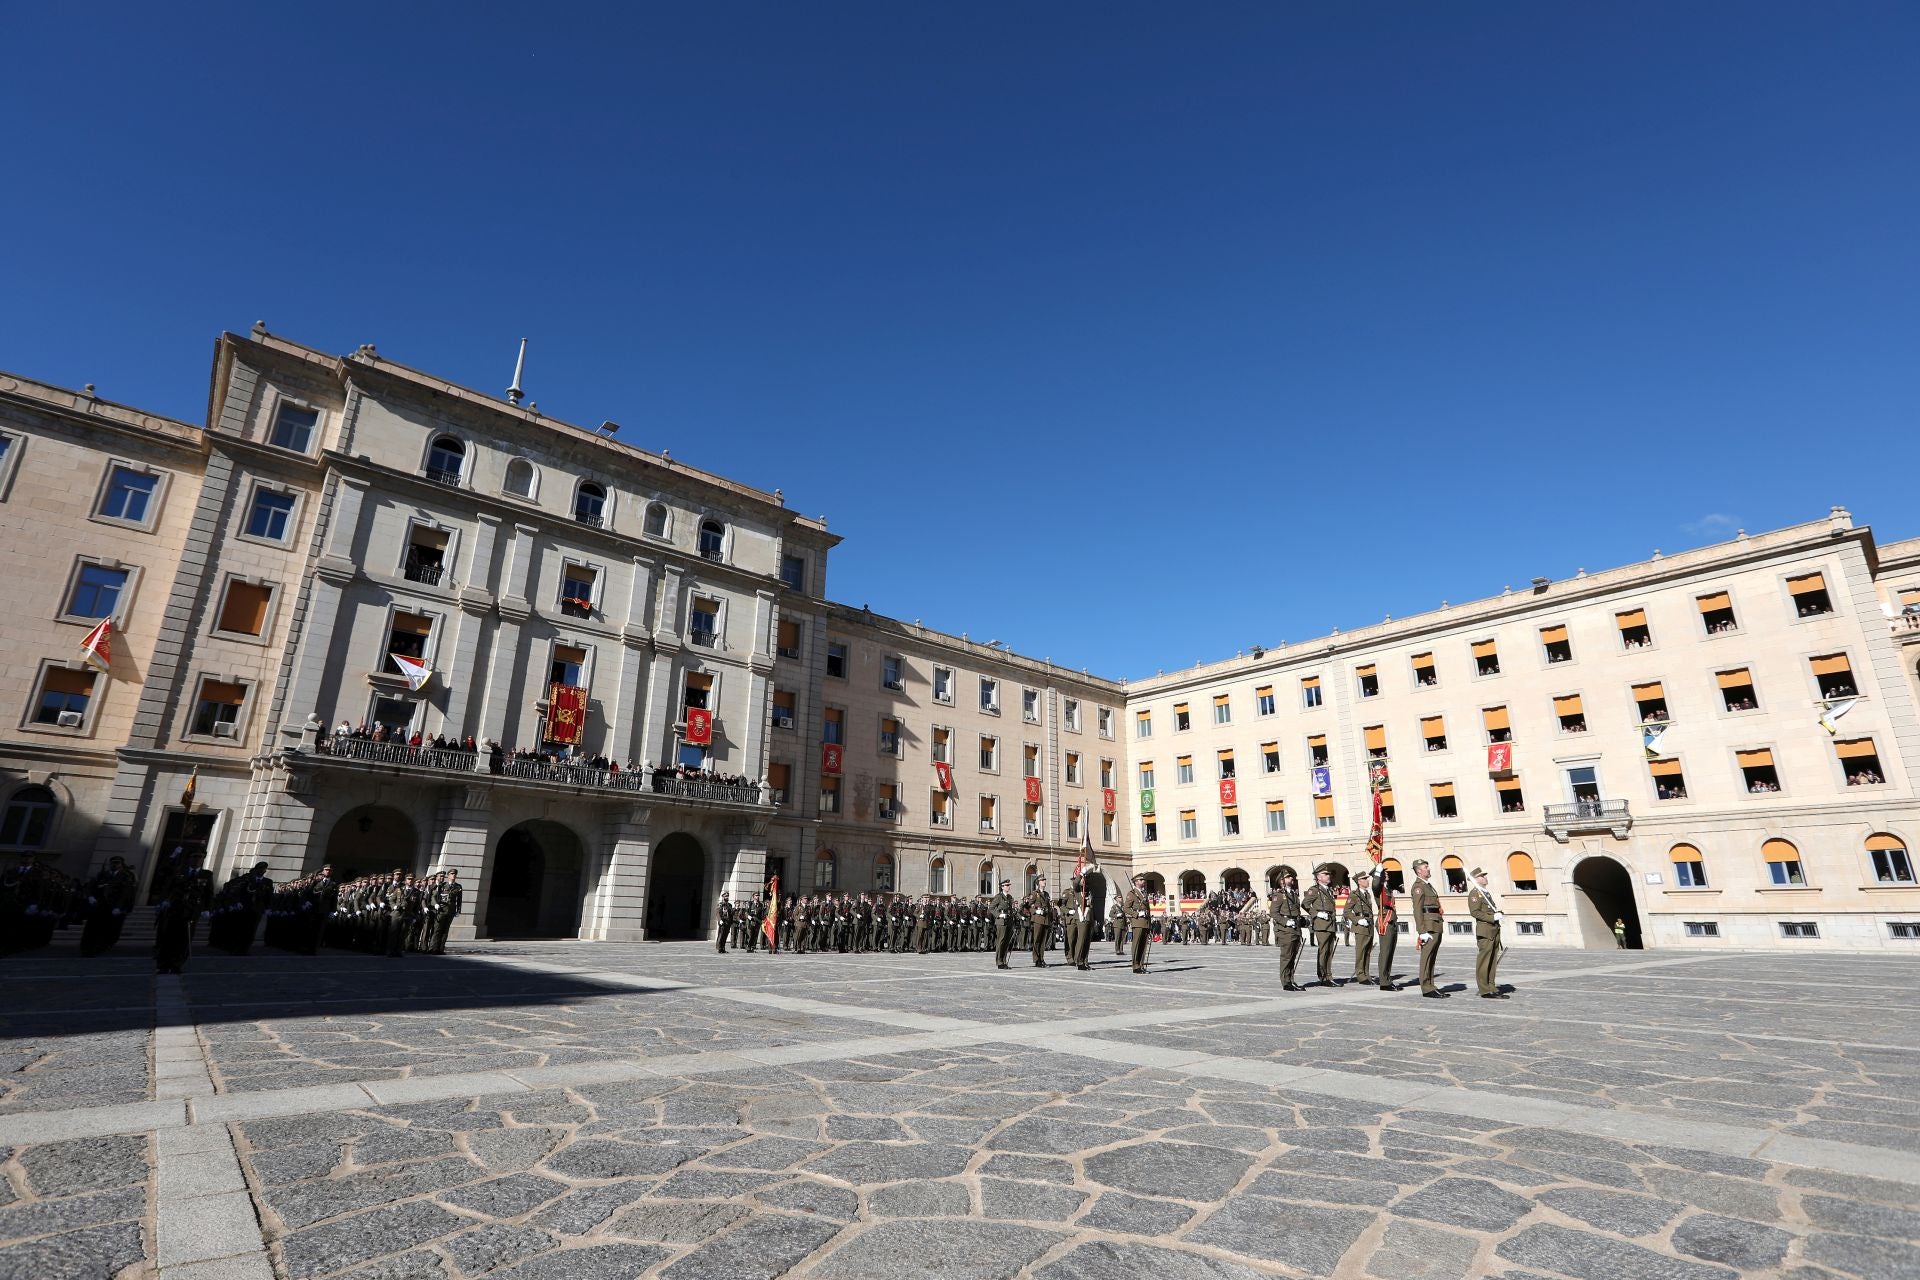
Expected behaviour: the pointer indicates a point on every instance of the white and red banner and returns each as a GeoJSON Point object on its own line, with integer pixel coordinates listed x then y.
{"type": "Point", "coordinates": [943, 775]}
{"type": "Point", "coordinates": [830, 757]}
{"type": "Point", "coordinates": [1033, 791]}
{"type": "Point", "coordinates": [699, 727]}
{"type": "Point", "coordinates": [1229, 793]}
{"type": "Point", "coordinates": [1499, 757]}
{"type": "Point", "coordinates": [415, 672]}
{"type": "Point", "coordinates": [96, 647]}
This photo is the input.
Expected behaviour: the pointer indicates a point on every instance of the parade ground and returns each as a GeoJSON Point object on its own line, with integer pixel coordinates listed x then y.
{"type": "Point", "coordinates": [581, 1111]}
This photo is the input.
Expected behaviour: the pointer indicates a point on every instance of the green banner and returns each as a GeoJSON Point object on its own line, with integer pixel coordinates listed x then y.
{"type": "Point", "coordinates": [1146, 801]}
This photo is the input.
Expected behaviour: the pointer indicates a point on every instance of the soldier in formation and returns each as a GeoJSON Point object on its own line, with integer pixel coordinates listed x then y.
{"type": "Point", "coordinates": [108, 898]}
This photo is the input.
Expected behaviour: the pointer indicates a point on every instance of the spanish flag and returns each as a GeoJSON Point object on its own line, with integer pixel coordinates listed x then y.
{"type": "Point", "coordinates": [96, 648]}
{"type": "Point", "coordinates": [771, 925]}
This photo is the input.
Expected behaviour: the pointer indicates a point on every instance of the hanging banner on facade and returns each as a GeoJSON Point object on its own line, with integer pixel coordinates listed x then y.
{"type": "Point", "coordinates": [699, 727]}
{"type": "Point", "coordinates": [1323, 780]}
{"type": "Point", "coordinates": [1033, 791]}
{"type": "Point", "coordinates": [1377, 779]}
{"type": "Point", "coordinates": [943, 776]}
{"type": "Point", "coordinates": [1500, 757]}
{"type": "Point", "coordinates": [830, 757]}
{"type": "Point", "coordinates": [1146, 800]}
{"type": "Point", "coordinates": [1229, 793]}
{"type": "Point", "coordinates": [1107, 800]}
{"type": "Point", "coordinates": [566, 714]}
{"type": "Point", "coordinates": [96, 647]}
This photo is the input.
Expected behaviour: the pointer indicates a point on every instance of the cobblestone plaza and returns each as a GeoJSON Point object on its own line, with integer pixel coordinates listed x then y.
{"type": "Point", "coordinates": [603, 1111]}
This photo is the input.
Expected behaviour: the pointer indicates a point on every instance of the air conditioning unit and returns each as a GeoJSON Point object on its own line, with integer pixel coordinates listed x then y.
{"type": "Point", "coordinates": [894, 684]}
{"type": "Point", "coordinates": [782, 720]}
{"type": "Point", "coordinates": [70, 719]}
{"type": "Point", "coordinates": [222, 729]}
{"type": "Point", "coordinates": [1033, 829]}
{"type": "Point", "coordinates": [986, 824]}
{"type": "Point", "coordinates": [886, 811]}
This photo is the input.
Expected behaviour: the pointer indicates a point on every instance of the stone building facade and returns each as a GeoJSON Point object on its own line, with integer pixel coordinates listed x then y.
{"type": "Point", "coordinates": [342, 524]}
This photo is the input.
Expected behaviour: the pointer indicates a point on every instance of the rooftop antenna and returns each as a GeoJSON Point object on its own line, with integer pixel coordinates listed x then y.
{"type": "Point", "coordinates": [514, 393]}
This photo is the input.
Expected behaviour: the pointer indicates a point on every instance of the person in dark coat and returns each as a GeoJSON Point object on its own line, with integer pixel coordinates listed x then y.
{"type": "Point", "coordinates": [184, 908]}
{"type": "Point", "coordinates": [109, 898]}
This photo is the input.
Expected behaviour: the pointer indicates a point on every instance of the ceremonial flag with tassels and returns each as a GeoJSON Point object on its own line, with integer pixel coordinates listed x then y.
{"type": "Point", "coordinates": [770, 927]}
{"type": "Point", "coordinates": [96, 647]}
{"type": "Point", "coordinates": [1382, 891]}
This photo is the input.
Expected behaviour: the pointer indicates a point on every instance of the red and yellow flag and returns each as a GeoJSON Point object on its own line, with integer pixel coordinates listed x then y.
{"type": "Point", "coordinates": [770, 927]}
{"type": "Point", "coordinates": [96, 647]}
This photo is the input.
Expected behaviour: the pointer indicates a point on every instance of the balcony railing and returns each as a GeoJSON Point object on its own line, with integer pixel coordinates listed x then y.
{"type": "Point", "coordinates": [704, 637]}
{"type": "Point", "coordinates": [557, 772]}
{"type": "Point", "coordinates": [1562, 820]}
{"type": "Point", "coordinates": [421, 571]}
{"type": "Point", "coordinates": [714, 554]}
{"type": "Point", "coordinates": [444, 475]}
{"type": "Point", "coordinates": [591, 518]}
{"type": "Point", "coordinates": [345, 748]}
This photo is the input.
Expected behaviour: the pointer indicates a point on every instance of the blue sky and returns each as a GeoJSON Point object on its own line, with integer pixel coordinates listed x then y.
{"type": "Point", "coordinates": [1130, 334]}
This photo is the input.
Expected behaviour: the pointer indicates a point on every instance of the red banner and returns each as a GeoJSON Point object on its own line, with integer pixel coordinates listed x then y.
{"type": "Point", "coordinates": [1106, 800]}
{"type": "Point", "coordinates": [830, 753]}
{"type": "Point", "coordinates": [1500, 757]}
{"type": "Point", "coordinates": [943, 775]}
{"type": "Point", "coordinates": [771, 925]}
{"type": "Point", "coordinates": [699, 727]}
{"type": "Point", "coordinates": [566, 714]}
{"type": "Point", "coordinates": [1033, 791]}
{"type": "Point", "coordinates": [1229, 793]}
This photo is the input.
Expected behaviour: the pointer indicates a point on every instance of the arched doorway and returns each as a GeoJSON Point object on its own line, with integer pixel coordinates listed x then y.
{"type": "Point", "coordinates": [1236, 878]}
{"type": "Point", "coordinates": [677, 889]}
{"type": "Point", "coordinates": [1095, 882]}
{"type": "Point", "coordinates": [1338, 877]}
{"type": "Point", "coordinates": [1156, 883]}
{"type": "Point", "coordinates": [533, 889]}
{"type": "Point", "coordinates": [1193, 884]}
{"type": "Point", "coordinates": [375, 839]}
{"type": "Point", "coordinates": [1604, 894]}
{"type": "Point", "coordinates": [1273, 878]}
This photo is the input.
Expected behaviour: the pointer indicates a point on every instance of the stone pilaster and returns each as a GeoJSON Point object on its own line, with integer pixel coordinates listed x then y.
{"type": "Point", "coordinates": [504, 668]}
{"type": "Point", "coordinates": [620, 906]}
{"type": "Point", "coordinates": [466, 819]}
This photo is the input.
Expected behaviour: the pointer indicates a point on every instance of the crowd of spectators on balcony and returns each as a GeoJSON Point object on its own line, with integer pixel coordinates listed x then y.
{"type": "Point", "coordinates": [548, 760]}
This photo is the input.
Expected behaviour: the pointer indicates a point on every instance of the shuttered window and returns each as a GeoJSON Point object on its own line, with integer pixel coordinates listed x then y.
{"type": "Point", "coordinates": [1664, 768]}
{"type": "Point", "coordinates": [1631, 618]}
{"type": "Point", "coordinates": [1553, 635]}
{"type": "Point", "coordinates": [1567, 705]}
{"type": "Point", "coordinates": [1734, 679]}
{"type": "Point", "coordinates": [1323, 810]}
{"type": "Point", "coordinates": [244, 612]}
{"type": "Point", "coordinates": [1433, 729]}
{"type": "Point", "coordinates": [1376, 738]}
{"type": "Point", "coordinates": [1855, 748]}
{"type": "Point", "coordinates": [1495, 718]}
{"type": "Point", "coordinates": [1807, 582]}
{"type": "Point", "coordinates": [1442, 790]}
{"type": "Point", "coordinates": [1483, 649]}
{"type": "Point", "coordinates": [1761, 759]}
{"type": "Point", "coordinates": [1520, 869]}
{"type": "Point", "coordinates": [1423, 672]}
{"type": "Point", "coordinates": [1832, 664]}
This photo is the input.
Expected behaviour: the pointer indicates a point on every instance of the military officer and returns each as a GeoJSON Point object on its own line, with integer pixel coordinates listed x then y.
{"type": "Point", "coordinates": [1003, 909]}
{"type": "Point", "coordinates": [1042, 913]}
{"type": "Point", "coordinates": [1427, 924]}
{"type": "Point", "coordinates": [724, 914]}
{"type": "Point", "coordinates": [1139, 913]}
{"type": "Point", "coordinates": [1487, 918]}
{"type": "Point", "coordinates": [1285, 907]}
{"type": "Point", "coordinates": [1321, 911]}
{"type": "Point", "coordinates": [1360, 917]}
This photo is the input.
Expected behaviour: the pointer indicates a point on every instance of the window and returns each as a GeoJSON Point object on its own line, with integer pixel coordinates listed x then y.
{"type": "Point", "coordinates": [1651, 702]}
{"type": "Point", "coordinates": [1860, 762]}
{"type": "Point", "coordinates": [406, 636]}
{"type": "Point", "coordinates": [28, 819]}
{"type": "Point", "coordinates": [1512, 800]}
{"type": "Point", "coordinates": [64, 695]}
{"type": "Point", "coordinates": [937, 874]}
{"type": "Point", "coordinates": [1716, 613]}
{"type": "Point", "coordinates": [1225, 762]}
{"type": "Point", "coordinates": [1143, 724]}
{"type": "Point", "coordinates": [1146, 775]}
{"type": "Point", "coordinates": [699, 690]}
{"type": "Point", "coordinates": [780, 779]}
{"type": "Point", "coordinates": [1276, 817]}
{"type": "Point", "coordinates": [1669, 783]}
{"type": "Point", "coordinates": [1520, 871]}
{"type": "Point", "coordinates": [270, 514]}
{"type": "Point", "coordinates": [939, 808]}
{"type": "Point", "coordinates": [1108, 828]}
{"type": "Point", "coordinates": [1183, 770]}
{"type": "Point", "coordinates": [1149, 829]}
{"type": "Point", "coordinates": [1891, 865]}
{"type": "Point", "coordinates": [783, 709]}
{"type": "Point", "coordinates": [836, 660]}
{"type": "Point", "coordinates": [1263, 700]}
{"type": "Point", "coordinates": [893, 669]}
{"type": "Point", "coordinates": [703, 624]}
{"type": "Point", "coordinates": [1073, 768]}
{"type": "Point", "coordinates": [243, 612]}
{"type": "Point", "coordinates": [786, 638]}
{"type": "Point", "coordinates": [590, 505]}
{"type": "Point", "coordinates": [989, 813]}
{"type": "Point", "coordinates": [1799, 929]}
{"type": "Point", "coordinates": [1376, 740]}
{"type": "Point", "coordinates": [713, 539]}
{"type": "Point", "coordinates": [1029, 761]}
{"type": "Point", "coordinates": [1189, 824]}
{"type": "Point", "coordinates": [1070, 714]}
{"type": "Point", "coordinates": [1757, 771]}
{"type": "Point", "coordinates": [1689, 867]}
{"type": "Point", "coordinates": [1736, 690]}
{"type": "Point", "coordinates": [793, 572]}
{"type": "Point", "coordinates": [1030, 705]}
{"type": "Point", "coordinates": [97, 589]}
{"type": "Point", "coordinates": [217, 711]}
{"type": "Point", "coordinates": [989, 695]}
{"type": "Point", "coordinates": [9, 456]}
{"type": "Point", "coordinates": [943, 685]}
{"type": "Point", "coordinates": [886, 804]}
{"type": "Point", "coordinates": [1571, 713]}
{"type": "Point", "coordinates": [1106, 774]}
{"type": "Point", "coordinates": [1810, 598]}
{"type": "Point", "coordinates": [1105, 718]}
{"type": "Point", "coordinates": [1633, 629]}
{"type": "Point", "coordinates": [1182, 718]}
{"type": "Point", "coordinates": [1368, 679]}
{"type": "Point", "coordinates": [395, 713]}
{"type": "Point", "coordinates": [567, 666]}
{"type": "Point", "coordinates": [293, 426]}
{"type": "Point", "coordinates": [1424, 675]}
{"type": "Point", "coordinates": [1455, 872]}
{"type": "Point", "coordinates": [989, 754]}
{"type": "Point", "coordinates": [1486, 659]}
{"type": "Point", "coordinates": [1230, 820]}
{"type": "Point", "coordinates": [129, 495]}
{"type": "Point", "coordinates": [1323, 811]}
{"type": "Point", "coordinates": [426, 560]}
{"type": "Point", "coordinates": [1460, 926]}
{"type": "Point", "coordinates": [829, 794]}
{"type": "Point", "coordinates": [823, 869]}
{"type": "Point", "coordinates": [890, 736]}
{"type": "Point", "coordinates": [1556, 645]}
{"type": "Point", "coordinates": [446, 460]}
{"type": "Point", "coordinates": [1530, 928]}
{"type": "Point", "coordinates": [1834, 674]}
{"type": "Point", "coordinates": [1317, 750]}
{"type": "Point", "coordinates": [520, 479]}
{"type": "Point", "coordinates": [1222, 709]}
{"type": "Point", "coordinates": [1387, 812]}
{"type": "Point", "coordinates": [1433, 732]}
{"type": "Point", "coordinates": [1310, 692]}
{"type": "Point", "coordinates": [1073, 823]}
{"type": "Point", "coordinates": [1499, 728]}
{"type": "Point", "coordinates": [1270, 758]}
{"type": "Point", "coordinates": [833, 726]}
{"type": "Point", "coordinates": [1783, 864]}
{"type": "Point", "coordinates": [1903, 928]}
{"type": "Point", "coordinates": [655, 524]}
{"type": "Point", "coordinates": [1445, 804]}
{"type": "Point", "coordinates": [1702, 928]}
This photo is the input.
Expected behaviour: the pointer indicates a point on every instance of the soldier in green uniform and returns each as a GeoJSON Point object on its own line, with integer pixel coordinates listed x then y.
{"type": "Point", "coordinates": [1320, 909]}
{"type": "Point", "coordinates": [1139, 912]}
{"type": "Point", "coordinates": [724, 914]}
{"type": "Point", "coordinates": [1003, 909]}
{"type": "Point", "coordinates": [1487, 917]}
{"type": "Point", "coordinates": [1284, 906]}
{"type": "Point", "coordinates": [1117, 922]}
{"type": "Point", "coordinates": [1428, 923]}
{"type": "Point", "coordinates": [1080, 924]}
{"type": "Point", "coordinates": [1360, 920]}
{"type": "Point", "coordinates": [1041, 914]}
